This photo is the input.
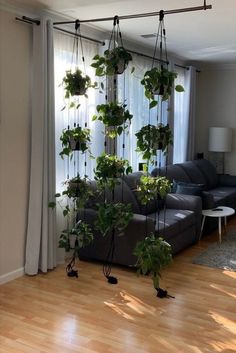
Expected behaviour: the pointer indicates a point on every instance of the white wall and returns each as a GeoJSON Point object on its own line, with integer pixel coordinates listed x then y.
{"type": "Point", "coordinates": [15, 52]}
{"type": "Point", "coordinates": [216, 106]}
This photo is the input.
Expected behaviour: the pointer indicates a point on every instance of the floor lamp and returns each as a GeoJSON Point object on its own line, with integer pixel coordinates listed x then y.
{"type": "Point", "coordinates": [220, 140]}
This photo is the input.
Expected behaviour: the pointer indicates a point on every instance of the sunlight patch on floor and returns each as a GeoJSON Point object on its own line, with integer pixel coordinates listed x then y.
{"type": "Point", "coordinates": [223, 290]}
{"type": "Point", "coordinates": [223, 321]}
{"type": "Point", "coordinates": [127, 305]}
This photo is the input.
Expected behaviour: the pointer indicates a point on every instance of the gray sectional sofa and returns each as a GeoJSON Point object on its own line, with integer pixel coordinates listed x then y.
{"type": "Point", "coordinates": [179, 224]}
{"type": "Point", "coordinates": [218, 190]}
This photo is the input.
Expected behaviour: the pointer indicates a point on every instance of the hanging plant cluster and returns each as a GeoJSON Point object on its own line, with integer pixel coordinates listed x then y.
{"type": "Point", "coordinates": [159, 82]}
{"type": "Point", "coordinates": [76, 84]}
{"type": "Point", "coordinates": [109, 168]}
{"type": "Point", "coordinates": [75, 139]}
{"type": "Point", "coordinates": [152, 138]}
{"type": "Point", "coordinates": [113, 62]}
{"type": "Point", "coordinates": [115, 117]}
{"type": "Point", "coordinates": [152, 188]}
{"type": "Point", "coordinates": [113, 217]}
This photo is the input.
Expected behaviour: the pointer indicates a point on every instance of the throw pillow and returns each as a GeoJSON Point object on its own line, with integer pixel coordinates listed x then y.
{"type": "Point", "coordinates": [183, 183]}
{"type": "Point", "coordinates": [189, 190]}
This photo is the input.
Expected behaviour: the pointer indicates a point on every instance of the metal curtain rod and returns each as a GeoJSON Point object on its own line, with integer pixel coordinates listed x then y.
{"type": "Point", "coordinates": [78, 35]}
{"type": "Point", "coordinates": [148, 14]}
{"type": "Point", "coordinates": [28, 20]}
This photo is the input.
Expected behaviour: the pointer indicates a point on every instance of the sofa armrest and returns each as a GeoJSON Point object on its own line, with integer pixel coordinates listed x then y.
{"type": "Point", "coordinates": [207, 200]}
{"type": "Point", "coordinates": [184, 202]}
{"type": "Point", "coordinates": [227, 180]}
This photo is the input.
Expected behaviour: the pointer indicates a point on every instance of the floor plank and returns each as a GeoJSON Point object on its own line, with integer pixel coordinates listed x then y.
{"type": "Point", "coordinates": [54, 313]}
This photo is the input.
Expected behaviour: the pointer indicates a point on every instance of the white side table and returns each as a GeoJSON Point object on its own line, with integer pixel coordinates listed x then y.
{"type": "Point", "coordinates": [220, 211]}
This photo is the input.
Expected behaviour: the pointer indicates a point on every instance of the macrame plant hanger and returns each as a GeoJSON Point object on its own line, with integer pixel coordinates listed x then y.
{"type": "Point", "coordinates": [76, 158]}
{"type": "Point", "coordinates": [162, 61]}
{"type": "Point", "coordinates": [111, 84]}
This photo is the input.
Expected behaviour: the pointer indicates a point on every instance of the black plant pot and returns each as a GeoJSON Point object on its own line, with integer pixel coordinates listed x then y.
{"type": "Point", "coordinates": [121, 66]}
{"type": "Point", "coordinates": [76, 145]}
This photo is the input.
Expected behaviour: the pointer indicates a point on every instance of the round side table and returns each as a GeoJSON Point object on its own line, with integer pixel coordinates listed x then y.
{"type": "Point", "coordinates": [219, 212]}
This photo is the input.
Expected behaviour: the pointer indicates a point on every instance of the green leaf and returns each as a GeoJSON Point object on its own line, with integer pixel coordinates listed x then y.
{"type": "Point", "coordinates": [52, 204]}
{"type": "Point", "coordinates": [152, 104]}
{"type": "Point", "coordinates": [179, 88]}
{"type": "Point", "coordinates": [132, 70]}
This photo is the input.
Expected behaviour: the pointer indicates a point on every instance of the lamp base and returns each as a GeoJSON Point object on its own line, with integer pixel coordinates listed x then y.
{"type": "Point", "coordinates": [217, 159]}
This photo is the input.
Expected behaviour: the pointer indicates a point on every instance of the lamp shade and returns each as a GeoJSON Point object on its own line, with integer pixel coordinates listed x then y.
{"type": "Point", "coordinates": [220, 139]}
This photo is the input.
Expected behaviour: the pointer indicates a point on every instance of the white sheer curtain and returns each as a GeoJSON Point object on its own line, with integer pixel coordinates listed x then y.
{"type": "Point", "coordinates": [131, 92]}
{"type": "Point", "coordinates": [65, 60]}
{"type": "Point", "coordinates": [184, 116]}
{"type": "Point", "coordinates": [41, 237]}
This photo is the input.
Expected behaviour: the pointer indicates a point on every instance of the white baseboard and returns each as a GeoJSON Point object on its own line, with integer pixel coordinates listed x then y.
{"type": "Point", "coordinates": [12, 275]}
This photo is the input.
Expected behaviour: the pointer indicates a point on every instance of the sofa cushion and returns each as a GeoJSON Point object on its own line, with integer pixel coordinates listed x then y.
{"type": "Point", "coordinates": [173, 221]}
{"type": "Point", "coordinates": [172, 171]}
{"type": "Point", "coordinates": [193, 172]}
{"type": "Point", "coordinates": [209, 171]}
{"type": "Point", "coordinates": [224, 196]}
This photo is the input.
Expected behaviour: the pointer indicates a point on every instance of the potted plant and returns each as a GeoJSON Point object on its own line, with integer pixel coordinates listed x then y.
{"type": "Point", "coordinates": [159, 81]}
{"type": "Point", "coordinates": [109, 168]}
{"type": "Point", "coordinates": [113, 62]}
{"type": "Point", "coordinates": [152, 138]}
{"type": "Point", "coordinates": [78, 189]}
{"type": "Point", "coordinates": [150, 188]}
{"type": "Point", "coordinates": [75, 139]}
{"type": "Point", "coordinates": [76, 84]}
{"type": "Point", "coordinates": [152, 255]}
{"type": "Point", "coordinates": [113, 216]}
{"type": "Point", "coordinates": [114, 116]}
{"type": "Point", "coordinates": [76, 238]}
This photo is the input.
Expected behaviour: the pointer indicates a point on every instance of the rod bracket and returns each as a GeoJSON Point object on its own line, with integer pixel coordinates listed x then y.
{"type": "Point", "coordinates": [161, 15]}
{"type": "Point", "coordinates": [77, 24]}
{"type": "Point", "coordinates": [115, 20]}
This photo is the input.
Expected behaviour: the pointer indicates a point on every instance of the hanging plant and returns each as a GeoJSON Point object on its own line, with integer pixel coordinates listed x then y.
{"type": "Point", "coordinates": [159, 81]}
{"type": "Point", "coordinates": [153, 254]}
{"type": "Point", "coordinates": [76, 84]}
{"type": "Point", "coordinates": [75, 139]}
{"type": "Point", "coordinates": [76, 238]}
{"type": "Point", "coordinates": [152, 138]}
{"type": "Point", "coordinates": [113, 216]}
{"type": "Point", "coordinates": [150, 188]}
{"type": "Point", "coordinates": [114, 116]}
{"type": "Point", "coordinates": [113, 62]}
{"type": "Point", "coordinates": [78, 189]}
{"type": "Point", "coordinates": [109, 168]}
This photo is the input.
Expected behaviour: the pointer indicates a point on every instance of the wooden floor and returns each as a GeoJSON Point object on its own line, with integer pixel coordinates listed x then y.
{"type": "Point", "coordinates": [56, 314]}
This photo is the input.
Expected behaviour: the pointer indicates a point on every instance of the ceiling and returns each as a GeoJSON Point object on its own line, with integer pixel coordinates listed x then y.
{"type": "Point", "coordinates": [201, 36]}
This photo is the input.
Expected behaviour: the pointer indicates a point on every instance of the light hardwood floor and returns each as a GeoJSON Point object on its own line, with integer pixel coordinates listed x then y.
{"type": "Point", "coordinates": [53, 313]}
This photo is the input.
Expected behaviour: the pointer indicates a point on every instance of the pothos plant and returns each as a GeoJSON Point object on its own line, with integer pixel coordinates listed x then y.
{"type": "Point", "coordinates": [78, 189]}
{"type": "Point", "coordinates": [76, 83]}
{"type": "Point", "coordinates": [76, 238]}
{"type": "Point", "coordinates": [114, 116]}
{"type": "Point", "coordinates": [109, 168]}
{"type": "Point", "coordinates": [73, 139]}
{"type": "Point", "coordinates": [150, 188]}
{"type": "Point", "coordinates": [113, 216]}
{"type": "Point", "coordinates": [113, 62]}
{"type": "Point", "coordinates": [159, 81]}
{"type": "Point", "coordinates": [152, 255]}
{"type": "Point", "coordinates": [151, 138]}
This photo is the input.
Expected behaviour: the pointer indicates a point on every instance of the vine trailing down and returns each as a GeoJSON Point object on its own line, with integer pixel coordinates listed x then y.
{"type": "Point", "coordinates": [153, 252]}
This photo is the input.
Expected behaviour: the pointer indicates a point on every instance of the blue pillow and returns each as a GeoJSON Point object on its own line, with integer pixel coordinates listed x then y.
{"type": "Point", "coordinates": [183, 183]}
{"type": "Point", "coordinates": [189, 190]}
